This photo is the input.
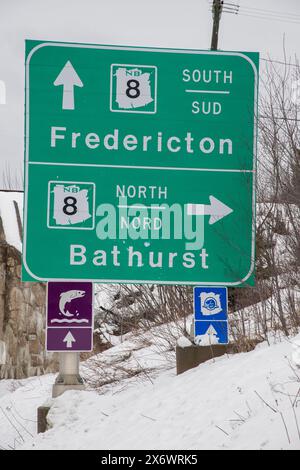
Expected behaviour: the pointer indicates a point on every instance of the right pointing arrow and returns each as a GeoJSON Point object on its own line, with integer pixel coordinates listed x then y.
{"type": "Point", "coordinates": [69, 339]}
{"type": "Point", "coordinates": [216, 209]}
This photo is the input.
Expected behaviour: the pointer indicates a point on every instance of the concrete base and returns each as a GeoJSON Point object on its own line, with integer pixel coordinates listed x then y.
{"type": "Point", "coordinates": [58, 390]}
{"type": "Point", "coordinates": [68, 377]}
{"type": "Point", "coordinates": [65, 382]}
{"type": "Point", "coordinates": [191, 356]}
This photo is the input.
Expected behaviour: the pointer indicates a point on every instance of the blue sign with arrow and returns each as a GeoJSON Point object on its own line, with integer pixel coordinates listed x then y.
{"type": "Point", "coordinates": [208, 333]}
{"type": "Point", "coordinates": [211, 315]}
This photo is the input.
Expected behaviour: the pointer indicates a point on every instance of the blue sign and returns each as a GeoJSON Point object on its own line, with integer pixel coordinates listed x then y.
{"type": "Point", "coordinates": [208, 333]}
{"type": "Point", "coordinates": [211, 315]}
{"type": "Point", "coordinates": [210, 303]}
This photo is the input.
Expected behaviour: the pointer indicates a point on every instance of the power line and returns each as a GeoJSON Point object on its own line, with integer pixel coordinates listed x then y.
{"type": "Point", "coordinates": [235, 9]}
{"type": "Point", "coordinates": [285, 20]}
{"type": "Point", "coordinates": [280, 62]}
{"type": "Point", "coordinates": [261, 116]}
{"type": "Point", "coordinates": [264, 11]}
{"type": "Point", "coordinates": [11, 191]}
{"type": "Point", "coordinates": [260, 13]}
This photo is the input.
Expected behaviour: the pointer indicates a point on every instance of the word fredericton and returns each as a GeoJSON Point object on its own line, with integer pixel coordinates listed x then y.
{"type": "Point", "coordinates": [147, 143]}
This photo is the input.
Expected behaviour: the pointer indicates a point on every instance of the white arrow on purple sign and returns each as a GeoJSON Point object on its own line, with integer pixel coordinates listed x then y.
{"type": "Point", "coordinates": [69, 316]}
{"type": "Point", "coordinates": [69, 340]}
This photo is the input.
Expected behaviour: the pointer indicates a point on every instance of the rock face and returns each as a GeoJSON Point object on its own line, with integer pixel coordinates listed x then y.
{"type": "Point", "coordinates": [22, 320]}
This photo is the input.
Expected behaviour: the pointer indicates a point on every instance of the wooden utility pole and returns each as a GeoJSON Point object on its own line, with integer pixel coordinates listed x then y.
{"type": "Point", "coordinates": [216, 10]}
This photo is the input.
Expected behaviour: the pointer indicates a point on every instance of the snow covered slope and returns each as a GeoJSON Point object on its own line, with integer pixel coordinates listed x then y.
{"type": "Point", "coordinates": [242, 401]}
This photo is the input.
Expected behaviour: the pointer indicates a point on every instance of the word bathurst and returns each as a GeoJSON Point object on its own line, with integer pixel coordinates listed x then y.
{"type": "Point", "coordinates": [140, 223]}
{"type": "Point", "coordinates": [146, 143]}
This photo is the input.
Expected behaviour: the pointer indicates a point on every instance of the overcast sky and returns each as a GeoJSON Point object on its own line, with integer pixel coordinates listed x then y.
{"type": "Point", "coordinates": [160, 23]}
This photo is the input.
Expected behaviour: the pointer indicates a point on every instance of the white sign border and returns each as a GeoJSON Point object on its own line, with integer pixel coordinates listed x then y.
{"type": "Point", "coordinates": [86, 328]}
{"type": "Point", "coordinates": [132, 111]}
{"type": "Point", "coordinates": [142, 49]}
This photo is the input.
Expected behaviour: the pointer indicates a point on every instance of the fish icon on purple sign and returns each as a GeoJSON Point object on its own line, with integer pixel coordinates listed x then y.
{"type": "Point", "coordinates": [69, 306]}
{"type": "Point", "coordinates": [67, 298]}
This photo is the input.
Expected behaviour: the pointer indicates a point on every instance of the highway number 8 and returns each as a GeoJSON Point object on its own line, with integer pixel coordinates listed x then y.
{"type": "Point", "coordinates": [70, 207]}
{"type": "Point", "coordinates": [133, 90]}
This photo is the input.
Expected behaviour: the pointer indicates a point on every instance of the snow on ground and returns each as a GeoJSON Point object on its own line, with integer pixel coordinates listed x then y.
{"type": "Point", "coordinates": [137, 354]}
{"type": "Point", "coordinates": [9, 217]}
{"type": "Point", "coordinates": [19, 400]}
{"type": "Point", "coordinates": [242, 401]}
{"type": "Point", "coordinates": [253, 321]}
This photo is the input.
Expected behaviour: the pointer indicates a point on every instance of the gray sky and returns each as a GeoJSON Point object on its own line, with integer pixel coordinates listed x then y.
{"type": "Point", "coordinates": [160, 23]}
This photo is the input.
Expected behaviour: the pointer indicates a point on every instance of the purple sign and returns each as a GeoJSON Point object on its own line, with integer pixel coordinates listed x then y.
{"type": "Point", "coordinates": [70, 316]}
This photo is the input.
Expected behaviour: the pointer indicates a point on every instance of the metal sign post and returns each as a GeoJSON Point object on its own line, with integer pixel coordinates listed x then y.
{"type": "Point", "coordinates": [69, 377]}
{"type": "Point", "coordinates": [69, 329]}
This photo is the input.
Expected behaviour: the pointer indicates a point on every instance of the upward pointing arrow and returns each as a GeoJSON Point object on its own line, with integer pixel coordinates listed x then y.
{"type": "Point", "coordinates": [68, 78]}
{"type": "Point", "coordinates": [211, 331]}
{"type": "Point", "coordinates": [69, 339]}
{"type": "Point", "coordinates": [216, 209]}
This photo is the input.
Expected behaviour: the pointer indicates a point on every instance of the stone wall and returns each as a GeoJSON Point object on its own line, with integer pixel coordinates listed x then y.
{"type": "Point", "coordinates": [22, 320]}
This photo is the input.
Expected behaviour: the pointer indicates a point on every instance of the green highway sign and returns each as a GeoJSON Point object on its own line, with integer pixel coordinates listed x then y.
{"type": "Point", "coordinates": [139, 165]}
